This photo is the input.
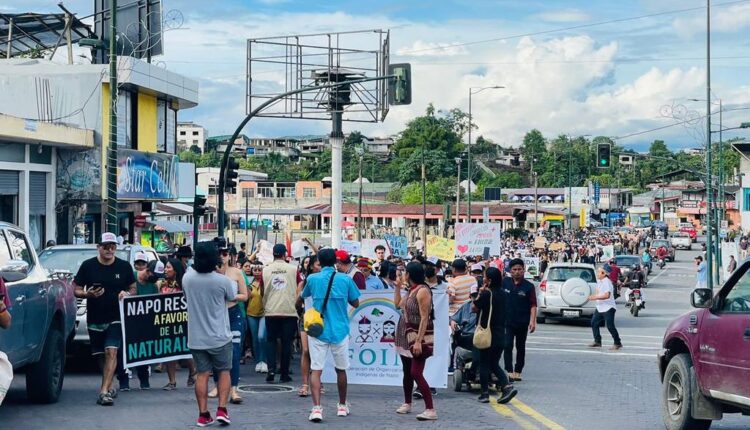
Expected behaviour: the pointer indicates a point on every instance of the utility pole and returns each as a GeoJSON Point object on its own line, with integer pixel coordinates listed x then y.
{"type": "Point", "coordinates": [424, 203]}
{"type": "Point", "coordinates": [468, 168]}
{"type": "Point", "coordinates": [570, 191]}
{"type": "Point", "coordinates": [359, 208]}
{"type": "Point", "coordinates": [245, 192]}
{"type": "Point", "coordinates": [458, 190]}
{"type": "Point", "coordinates": [112, 149]}
{"type": "Point", "coordinates": [720, 215]}
{"type": "Point", "coordinates": [536, 197]}
{"type": "Point", "coordinates": [709, 177]}
{"type": "Point", "coordinates": [337, 148]}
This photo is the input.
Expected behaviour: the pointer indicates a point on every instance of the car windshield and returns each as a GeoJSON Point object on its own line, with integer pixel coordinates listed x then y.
{"type": "Point", "coordinates": [71, 258]}
{"type": "Point", "coordinates": [562, 274]}
{"type": "Point", "coordinates": [660, 243]}
{"type": "Point", "coordinates": [627, 261]}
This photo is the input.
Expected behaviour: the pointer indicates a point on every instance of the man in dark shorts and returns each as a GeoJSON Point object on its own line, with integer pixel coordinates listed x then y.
{"type": "Point", "coordinates": [209, 338]}
{"type": "Point", "coordinates": [103, 281]}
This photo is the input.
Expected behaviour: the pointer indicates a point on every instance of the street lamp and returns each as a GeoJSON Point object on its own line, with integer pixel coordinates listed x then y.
{"type": "Point", "coordinates": [458, 188]}
{"type": "Point", "coordinates": [472, 91]}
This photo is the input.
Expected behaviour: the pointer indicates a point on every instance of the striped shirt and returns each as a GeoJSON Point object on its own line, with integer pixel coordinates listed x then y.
{"type": "Point", "coordinates": [459, 290]}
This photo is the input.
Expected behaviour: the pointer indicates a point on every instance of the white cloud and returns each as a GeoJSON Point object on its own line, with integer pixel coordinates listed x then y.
{"type": "Point", "coordinates": [421, 48]}
{"type": "Point", "coordinates": [565, 15]}
{"type": "Point", "coordinates": [725, 20]}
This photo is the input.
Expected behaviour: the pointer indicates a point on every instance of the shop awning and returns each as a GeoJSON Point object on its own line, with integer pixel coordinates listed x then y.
{"type": "Point", "coordinates": [554, 217]}
{"type": "Point", "coordinates": [169, 226]}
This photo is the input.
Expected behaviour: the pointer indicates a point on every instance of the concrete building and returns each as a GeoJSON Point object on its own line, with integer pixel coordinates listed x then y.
{"type": "Point", "coordinates": [54, 134]}
{"type": "Point", "coordinates": [190, 134]}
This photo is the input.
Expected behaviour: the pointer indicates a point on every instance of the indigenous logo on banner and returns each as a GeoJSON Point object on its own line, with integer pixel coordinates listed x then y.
{"type": "Point", "coordinates": [154, 328]}
{"type": "Point", "coordinates": [471, 239]}
{"type": "Point", "coordinates": [532, 266]}
{"type": "Point", "coordinates": [372, 343]}
{"type": "Point", "coordinates": [398, 245]}
{"type": "Point", "coordinates": [444, 249]}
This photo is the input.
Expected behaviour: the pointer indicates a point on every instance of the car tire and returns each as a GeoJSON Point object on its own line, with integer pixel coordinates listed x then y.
{"type": "Point", "coordinates": [676, 413]}
{"type": "Point", "coordinates": [44, 379]}
{"type": "Point", "coordinates": [458, 380]}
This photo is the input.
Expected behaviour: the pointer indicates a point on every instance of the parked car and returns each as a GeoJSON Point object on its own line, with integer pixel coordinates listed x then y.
{"type": "Point", "coordinates": [705, 361]}
{"type": "Point", "coordinates": [626, 262]}
{"type": "Point", "coordinates": [67, 259]}
{"type": "Point", "coordinates": [564, 291]}
{"type": "Point", "coordinates": [43, 316]}
{"type": "Point", "coordinates": [689, 228]}
{"type": "Point", "coordinates": [658, 243]}
{"type": "Point", "coordinates": [681, 240]}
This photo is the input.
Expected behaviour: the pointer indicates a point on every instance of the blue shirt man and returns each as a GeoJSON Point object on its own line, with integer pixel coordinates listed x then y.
{"type": "Point", "coordinates": [700, 276]}
{"type": "Point", "coordinates": [336, 315]}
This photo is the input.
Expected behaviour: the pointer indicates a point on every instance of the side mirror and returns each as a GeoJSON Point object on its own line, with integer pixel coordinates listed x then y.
{"type": "Point", "coordinates": [702, 298]}
{"type": "Point", "coordinates": [14, 270]}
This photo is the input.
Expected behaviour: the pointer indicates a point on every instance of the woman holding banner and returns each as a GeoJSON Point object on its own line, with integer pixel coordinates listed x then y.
{"type": "Point", "coordinates": [172, 283]}
{"type": "Point", "coordinates": [414, 336]}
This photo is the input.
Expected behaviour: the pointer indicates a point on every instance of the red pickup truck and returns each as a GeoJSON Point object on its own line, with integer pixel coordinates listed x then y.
{"type": "Point", "coordinates": [705, 360]}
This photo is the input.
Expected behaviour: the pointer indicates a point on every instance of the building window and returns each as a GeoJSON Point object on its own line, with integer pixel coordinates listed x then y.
{"type": "Point", "coordinates": [195, 133]}
{"type": "Point", "coordinates": [286, 193]}
{"type": "Point", "coordinates": [308, 193]}
{"type": "Point", "coordinates": [248, 193]}
{"type": "Point", "coordinates": [266, 192]}
{"type": "Point", "coordinates": [183, 133]}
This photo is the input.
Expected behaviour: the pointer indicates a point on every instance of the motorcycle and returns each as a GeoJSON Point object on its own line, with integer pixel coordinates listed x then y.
{"type": "Point", "coordinates": [661, 263]}
{"type": "Point", "coordinates": [635, 299]}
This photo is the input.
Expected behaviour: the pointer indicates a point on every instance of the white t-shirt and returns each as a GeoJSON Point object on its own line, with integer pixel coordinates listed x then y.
{"type": "Point", "coordinates": [604, 286]}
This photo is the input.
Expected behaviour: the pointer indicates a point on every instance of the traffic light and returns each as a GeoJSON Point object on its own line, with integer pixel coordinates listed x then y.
{"type": "Point", "coordinates": [399, 86]}
{"type": "Point", "coordinates": [604, 156]}
{"type": "Point", "coordinates": [199, 206]}
{"type": "Point", "coordinates": [230, 183]}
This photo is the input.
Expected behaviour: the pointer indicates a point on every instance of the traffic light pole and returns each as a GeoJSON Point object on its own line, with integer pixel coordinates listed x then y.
{"type": "Point", "coordinates": [251, 115]}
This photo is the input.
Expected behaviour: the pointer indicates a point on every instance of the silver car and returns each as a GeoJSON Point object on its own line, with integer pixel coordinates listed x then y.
{"type": "Point", "coordinates": [68, 258]}
{"type": "Point", "coordinates": [564, 291]}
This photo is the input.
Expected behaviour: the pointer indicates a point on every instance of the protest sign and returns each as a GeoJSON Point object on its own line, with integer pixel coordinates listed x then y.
{"type": "Point", "coordinates": [154, 328]}
{"type": "Point", "coordinates": [608, 252]}
{"type": "Point", "coordinates": [557, 246]}
{"type": "Point", "coordinates": [471, 239]}
{"type": "Point", "coordinates": [398, 245]}
{"type": "Point", "coordinates": [540, 242]}
{"type": "Point", "coordinates": [532, 266]}
{"type": "Point", "coordinates": [368, 248]}
{"type": "Point", "coordinates": [372, 337]}
{"type": "Point", "coordinates": [265, 252]}
{"type": "Point", "coordinates": [300, 249]}
{"type": "Point", "coordinates": [444, 249]}
{"type": "Point", "coordinates": [351, 246]}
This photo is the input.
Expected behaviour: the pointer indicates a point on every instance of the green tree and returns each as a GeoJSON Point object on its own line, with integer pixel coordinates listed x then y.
{"type": "Point", "coordinates": [195, 149]}
{"type": "Point", "coordinates": [437, 165]}
{"type": "Point", "coordinates": [411, 194]}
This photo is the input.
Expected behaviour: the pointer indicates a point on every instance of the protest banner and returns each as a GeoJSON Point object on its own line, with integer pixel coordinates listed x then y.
{"type": "Point", "coordinates": [265, 252]}
{"type": "Point", "coordinates": [540, 242]}
{"type": "Point", "coordinates": [154, 328]}
{"type": "Point", "coordinates": [351, 246]}
{"type": "Point", "coordinates": [442, 248]}
{"type": "Point", "coordinates": [608, 252]}
{"type": "Point", "coordinates": [372, 336]}
{"type": "Point", "coordinates": [471, 239]}
{"type": "Point", "coordinates": [300, 249]}
{"type": "Point", "coordinates": [557, 246]}
{"type": "Point", "coordinates": [368, 248]}
{"type": "Point", "coordinates": [398, 245]}
{"type": "Point", "coordinates": [532, 266]}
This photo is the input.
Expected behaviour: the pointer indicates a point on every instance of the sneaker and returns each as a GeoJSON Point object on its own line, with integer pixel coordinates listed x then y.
{"type": "Point", "coordinates": [316, 414]}
{"type": "Point", "coordinates": [234, 396]}
{"type": "Point", "coordinates": [270, 378]}
{"type": "Point", "coordinates": [204, 420]}
{"type": "Point", "coordinates": [213, 393]}
{"type": "Point", "coordinates": [285, 379]}
{"type": "Point", "coordinates": [518, 377]}
{"type": "Point", "coordinates": [264, 367]}
{"type": "Point", "coordinates": [427, 415]}
{"type": "Point", "coordinates": [507, 395]}
{"type": "Point", "coordinates": [484, 398]}
{"type": "Point", "coordinates": [171, 386]}
{"type": "Point", "coordinates": [145, 385]}
{"type": "Point", "coordinates": [124, 387]}
{"type": "Point", "coordinates": [222, 416]}
{"type": "Point", "coordinates": [404, 409]}
{"type": "Point", "coordinates": [616, 347]}
{"type": "Point", "coordinates": [595, 345]}
{"type": "Point", "coordinates": [258, 367]}
{"type": "Point", "coordinates": [105, 400]}
{"type": "Point", "coordinates": [342, 410]}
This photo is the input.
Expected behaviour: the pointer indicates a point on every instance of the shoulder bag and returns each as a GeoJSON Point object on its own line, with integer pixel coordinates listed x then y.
{"type": "Point", "coordinates": [412, 331]}
{"type": "Point", "coordinates": [483, 335]}
{"type": "Point", "coordinates": [313, 319]}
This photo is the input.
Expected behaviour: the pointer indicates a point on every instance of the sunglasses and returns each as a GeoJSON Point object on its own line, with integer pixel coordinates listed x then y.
{"type": "Point", "coordinates": [109, 247]}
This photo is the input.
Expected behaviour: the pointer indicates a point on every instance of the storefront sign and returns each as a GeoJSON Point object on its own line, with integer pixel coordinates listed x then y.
{"type": "Point", "coordinates": [471, 239]}
{"type": "Point", "coordinates": [154, 328]}
{"type": "Point", "coordinates": [146, 176]}
{"type": "Point", "coordinates": [442, 248]}
{"type": "Point", "coordinates": [372, 337]}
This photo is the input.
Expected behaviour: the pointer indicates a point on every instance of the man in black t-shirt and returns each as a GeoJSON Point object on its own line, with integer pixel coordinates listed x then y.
{"type": "Point", "coordinates": [103, 281]}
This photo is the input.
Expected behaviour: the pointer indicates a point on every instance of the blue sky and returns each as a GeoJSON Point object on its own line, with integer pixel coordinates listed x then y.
{"type": "Point", "coordinates": [563, 73]}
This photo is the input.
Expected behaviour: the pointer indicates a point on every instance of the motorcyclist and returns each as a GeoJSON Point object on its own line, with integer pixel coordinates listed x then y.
{"type": "Point", "coordinates": [636, 277]}
{"type": "Point", "coordinates": [463, 324]}
{"type": "Point", "coordinates": [646, 259]}
{"type": "Point", "coordinates": [661, 253]}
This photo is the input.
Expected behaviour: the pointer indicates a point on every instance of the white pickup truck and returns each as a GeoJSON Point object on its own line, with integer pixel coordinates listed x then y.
{"type": "Point", "coordinates": [681, 240]}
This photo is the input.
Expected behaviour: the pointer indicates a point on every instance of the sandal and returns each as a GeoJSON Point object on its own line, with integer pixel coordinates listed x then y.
{"type": "Point", "coordinates": [191, 380]}
{"type": "Point", "coordinates": [304, 390]}
{"type": "Point", "coordinates": [171, 386]}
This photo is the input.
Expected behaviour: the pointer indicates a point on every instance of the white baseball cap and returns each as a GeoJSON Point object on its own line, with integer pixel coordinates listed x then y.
{"type": "Point", "coordinates": [140, 256]}
{"type": "Point", "coordinates": [108, 238]}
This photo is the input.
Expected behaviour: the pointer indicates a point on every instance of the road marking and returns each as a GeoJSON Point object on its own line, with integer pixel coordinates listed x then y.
{"type": "Point", "coordinates": [587, 336]}
{"type": "Point", "coordinates": [657, 276]}
{"type": "Point", "coordinates": [584, 351]}
{"type": "Point", "coordinates": [523, 407]}
{"type": "Point", "coordinates": [507, 412]}
{"type": "Point", "coordinates": [630, 345]}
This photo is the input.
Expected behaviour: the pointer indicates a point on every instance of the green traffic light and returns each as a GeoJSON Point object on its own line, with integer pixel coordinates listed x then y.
{"type": "Point", "coordinates": [603, 162]}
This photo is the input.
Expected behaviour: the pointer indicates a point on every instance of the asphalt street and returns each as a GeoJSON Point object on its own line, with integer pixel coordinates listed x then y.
{"type": "Point", "coordinates": [565, 386]}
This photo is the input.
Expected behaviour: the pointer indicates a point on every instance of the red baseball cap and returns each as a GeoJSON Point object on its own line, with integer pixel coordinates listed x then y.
{"type": "Point", "coordinates": [343, 256]}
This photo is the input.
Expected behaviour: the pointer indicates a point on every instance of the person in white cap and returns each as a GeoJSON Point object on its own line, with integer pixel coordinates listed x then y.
{"type": "Point", "coordinates": [103, 281]}
{"type": "Point", "coordinates": [140, 261]}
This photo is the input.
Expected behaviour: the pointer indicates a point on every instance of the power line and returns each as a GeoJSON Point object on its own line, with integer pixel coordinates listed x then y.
{"type": "Point", "coordinates": [638, 133]}
{"type": "Point", "coordinates": [574, 27]}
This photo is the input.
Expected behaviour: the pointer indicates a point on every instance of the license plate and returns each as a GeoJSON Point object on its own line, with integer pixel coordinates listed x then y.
{"type": "Point", "coordinates": [638, 302]}
{"type": "Point", "coordinates": [571, 314]}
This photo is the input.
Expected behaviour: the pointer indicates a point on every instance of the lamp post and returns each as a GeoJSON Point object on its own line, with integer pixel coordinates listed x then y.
{"type": "Point", "coordinates": [472, 91]}
{"type": "Point", "coordinates": [709, 187]}
{"type": "Point", "coordinates": [360, 154]}
{"type": "Point", "coordinates": [458, 189]}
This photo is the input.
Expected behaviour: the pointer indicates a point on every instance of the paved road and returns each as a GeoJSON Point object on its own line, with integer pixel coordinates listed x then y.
{"type": "Point", "coordinates": [566, 386]}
